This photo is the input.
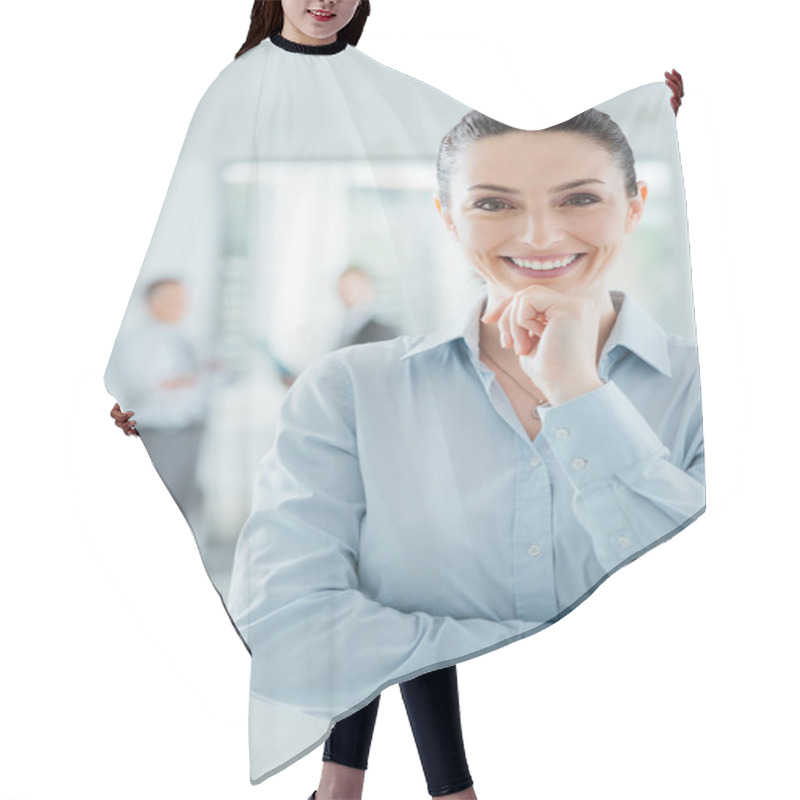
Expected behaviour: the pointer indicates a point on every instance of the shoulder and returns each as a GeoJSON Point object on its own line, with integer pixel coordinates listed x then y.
{"type": "Point", "coordinates": [329, 392]}
{"type": "Point", "coordinates": [375, 366]}
{"type": "Point", "coordinates": [378, 359]}
{"type": "Point", "coordinates": [237, 81]}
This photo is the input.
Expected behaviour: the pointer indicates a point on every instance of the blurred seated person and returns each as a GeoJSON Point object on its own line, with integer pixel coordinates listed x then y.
{"type": "Point", "coordinates": [361, 325]}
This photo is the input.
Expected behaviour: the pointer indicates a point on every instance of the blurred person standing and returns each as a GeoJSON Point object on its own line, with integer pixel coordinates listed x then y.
{"type": "Point", "coordinates": [170, 393]}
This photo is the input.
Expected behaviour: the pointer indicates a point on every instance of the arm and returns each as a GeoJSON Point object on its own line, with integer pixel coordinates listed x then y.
{"type": "Point", "coordinates": [317, 642]}
{"type": "Point", "coordinates": [628, 495]}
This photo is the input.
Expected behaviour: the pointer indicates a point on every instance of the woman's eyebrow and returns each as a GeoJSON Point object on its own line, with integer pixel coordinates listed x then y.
{"type": "Point", "coordinates": [574, 184]}
{"type": "Point", "coordinates": [489, 187]}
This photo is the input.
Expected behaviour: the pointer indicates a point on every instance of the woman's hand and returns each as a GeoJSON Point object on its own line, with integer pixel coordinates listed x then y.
{"type": "Point", "coordinates": [675, 82]}
{"type": "Point", "coordinates": [555, 336]}
{"type": "Point", "coordinates": [124, 420]}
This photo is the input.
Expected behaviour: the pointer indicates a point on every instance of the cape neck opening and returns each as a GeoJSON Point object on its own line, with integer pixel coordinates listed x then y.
{"type": "Point", "coordinates": [308, 49]}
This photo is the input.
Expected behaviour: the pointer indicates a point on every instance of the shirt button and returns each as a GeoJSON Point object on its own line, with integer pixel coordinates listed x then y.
{"type": "Point", "coordinates": [624, 541]}
{"type": "Point", "coordinates": [579, 463]}
{"type": "Point", "coordinates": [536, 462]}
{"type": "Point", "coordinates": [562, 433]}
{"type": "Point", "coordinates": [534, 550]}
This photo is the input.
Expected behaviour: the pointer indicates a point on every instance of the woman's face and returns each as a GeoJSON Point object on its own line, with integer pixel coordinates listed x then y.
{"type": "Point", "coordinates": [316, 22]}
{"type": "Point", "coordinates": [547, 208]}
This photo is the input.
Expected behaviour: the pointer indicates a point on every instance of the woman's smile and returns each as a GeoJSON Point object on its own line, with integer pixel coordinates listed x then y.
{"type": "Point", "coordinates": [321, 16]}
{"type": "Point", "coordinates": [545, 266]}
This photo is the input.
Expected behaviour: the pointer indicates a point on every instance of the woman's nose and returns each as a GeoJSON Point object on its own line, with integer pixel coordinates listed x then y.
{"type": "Point", "coordinates": [540, 229]}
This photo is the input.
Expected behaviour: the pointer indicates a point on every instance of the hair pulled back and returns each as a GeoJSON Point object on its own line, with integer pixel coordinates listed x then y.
{"type": "Point", "coordinates": [592, 124]}
{"type": "Point", "coordinates": [266, 19]}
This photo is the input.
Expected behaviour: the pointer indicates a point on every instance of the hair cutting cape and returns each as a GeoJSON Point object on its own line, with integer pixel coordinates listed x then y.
{"type": "Point", "coordinates": [401, 520]}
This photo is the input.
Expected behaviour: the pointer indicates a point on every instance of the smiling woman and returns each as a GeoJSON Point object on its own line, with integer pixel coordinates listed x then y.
{"type": "Point", "coordinates": [316, 22]}
{"type": "Point", "coordinates": [426, 499]}
{"type": "Point", "coordinates": [433, 497]}
{"type": "Point", "coordinates": [542, 216]}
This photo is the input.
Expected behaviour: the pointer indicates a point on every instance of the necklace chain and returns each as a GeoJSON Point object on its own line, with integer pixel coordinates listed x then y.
{"type": "Point", "coordinates": [540, 401]}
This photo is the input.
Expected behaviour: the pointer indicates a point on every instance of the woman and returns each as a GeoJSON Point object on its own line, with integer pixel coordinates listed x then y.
{"type": "Point", "coordinates": [321, 29]}
{"type": "Point", "coordinates": [431, 498]}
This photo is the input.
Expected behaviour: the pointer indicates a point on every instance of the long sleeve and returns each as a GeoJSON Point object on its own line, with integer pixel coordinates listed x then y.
{"type": "Point", "coordinates": [629, 492]}
{"type": "Point", "coordinates": [318, 643]}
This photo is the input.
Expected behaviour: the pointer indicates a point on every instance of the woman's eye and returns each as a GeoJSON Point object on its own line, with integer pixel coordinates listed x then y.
{"type": "Point", "coordinates": [581, 200]}
{"type": "Point", "coordinates": [492, 204]}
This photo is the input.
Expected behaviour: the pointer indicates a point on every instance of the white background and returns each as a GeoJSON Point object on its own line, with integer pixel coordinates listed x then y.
{"type": "Point", "coordinates": [121, 676]}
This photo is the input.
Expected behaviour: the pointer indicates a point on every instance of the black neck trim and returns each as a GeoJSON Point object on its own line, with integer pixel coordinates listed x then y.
{"type": "Point", "coordinates": [308, 49]}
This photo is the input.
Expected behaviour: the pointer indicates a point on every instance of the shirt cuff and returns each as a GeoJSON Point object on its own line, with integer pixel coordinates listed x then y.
{"type": "Point", "coordinates": [599, 435]}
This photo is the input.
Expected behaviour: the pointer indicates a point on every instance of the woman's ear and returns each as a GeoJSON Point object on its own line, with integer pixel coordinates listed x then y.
{"type": "Point", "coordinates": [446, 217]}
{"type": "Point", "coordinates": [636, 207]}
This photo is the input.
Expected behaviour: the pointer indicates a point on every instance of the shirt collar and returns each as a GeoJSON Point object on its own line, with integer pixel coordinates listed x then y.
{"type": "Point", "coordinates": [638, 333]}
{"type": "Point", "coordinates": [465, 326]}
{"type": "Point", "coordinates": [634, 331]}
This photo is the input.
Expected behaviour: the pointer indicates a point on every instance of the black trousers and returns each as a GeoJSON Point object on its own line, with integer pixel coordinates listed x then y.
{"type": "Point", "coordinates": [431, 702]}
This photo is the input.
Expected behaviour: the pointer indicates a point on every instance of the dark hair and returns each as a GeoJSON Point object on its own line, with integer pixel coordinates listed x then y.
{"type": "Point", "coordinates": [266, 19]}
{"type": "Point", "coordinates": [593, 124]}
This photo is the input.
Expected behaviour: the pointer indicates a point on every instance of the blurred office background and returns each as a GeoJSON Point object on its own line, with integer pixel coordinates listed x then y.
{"type": "Point", "coordinates": [264, 299]}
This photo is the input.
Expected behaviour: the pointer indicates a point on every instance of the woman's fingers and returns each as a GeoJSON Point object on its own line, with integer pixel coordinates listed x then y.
{"type": "Point", "coordinates": [503, 327]}
{"type": "Point", "coordinates": [520, 326]}
{"type": "Point", "coordinates": [494, 314]}
{"type": "Point", "coordinates": [675, 77]}
{"type": "Point", "coordinates": [520, 336]}
{"type": "Point", "coordinates": [674, 81]}
{"type": "Point", "coordinates": [130, 428]}
{"type": "Point", "coordinates": [527, 325]}
{"type": "Point", "coordinates": [118, 414]}
{"type": "Point", "coordinates": [123, 420]}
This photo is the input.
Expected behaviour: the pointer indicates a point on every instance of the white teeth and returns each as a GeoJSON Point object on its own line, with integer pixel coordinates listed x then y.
{"type": "Point", "coordinates": [542, 266]}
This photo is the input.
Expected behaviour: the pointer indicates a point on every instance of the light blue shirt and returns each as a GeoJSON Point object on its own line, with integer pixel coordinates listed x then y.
{"type": "Point", "coordinates": [404, 519]}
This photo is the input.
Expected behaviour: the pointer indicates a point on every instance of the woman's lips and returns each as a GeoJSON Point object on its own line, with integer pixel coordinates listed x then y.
{"type": "Point", "coordinates": [322, 16]}
{"type": "Point", "coordinates": [543, 266]}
